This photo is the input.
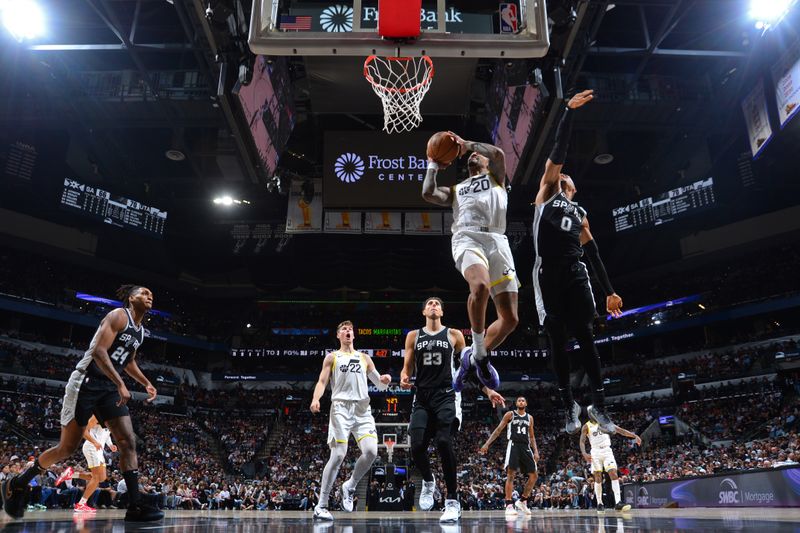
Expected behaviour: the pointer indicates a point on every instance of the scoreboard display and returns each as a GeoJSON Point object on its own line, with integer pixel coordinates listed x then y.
{"type": "Point", "coordinates": [666, 207]}
{"type": "Point", "coordinates": [111, 209]}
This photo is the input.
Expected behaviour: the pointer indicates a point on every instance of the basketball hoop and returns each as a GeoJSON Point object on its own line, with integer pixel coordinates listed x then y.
{"type": "Point", "coordinates": [401, 83]}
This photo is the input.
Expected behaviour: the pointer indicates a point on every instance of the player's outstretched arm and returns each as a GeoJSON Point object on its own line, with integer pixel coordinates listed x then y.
{"type": "Point", "coordinates": [322, 382]}
{"type": "Point", "coordinates": [381, 381]}
{"type": "Point", "coordinates": [431, 192]}
{"type": "Point", "coordinates": [629, 434]}
{"type": "Point", "coordinates": [549, 184]}
{"type": "Point", "coordinates": [496, 433]}
{"type": "Point", "coordinates": [592, 252]}
{"type": "Point", "coordinates": [584, 434]}
{"type": "Point", "coordinates": [408, 361]}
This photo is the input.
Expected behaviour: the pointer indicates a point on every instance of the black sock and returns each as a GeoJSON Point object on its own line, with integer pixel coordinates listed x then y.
{"type": "Point", "coordinates": [131, 478]}
{"type": "Point", "coordinates": [598, 397]}
{"type": "Point", "coordinates": [566, 397]}
{"type": "Point", "coordinates": [26, 477]}
{"type": "Point", "coordinates": [509, 502]}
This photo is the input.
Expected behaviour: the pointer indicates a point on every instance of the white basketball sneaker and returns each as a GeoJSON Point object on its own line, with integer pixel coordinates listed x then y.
{"type": "Point", "coordinates": [452, 511]}
{"type": "Point", "coordinates": [426, 495]}
{"type": "Point", "coordinates": [322, 513]}
{"type": "Point", "coordinates": [347, 497]}
{"type": "Point", "coordinates": [510, 511]}
{"type": "Point", "coordinates": [522, 507]}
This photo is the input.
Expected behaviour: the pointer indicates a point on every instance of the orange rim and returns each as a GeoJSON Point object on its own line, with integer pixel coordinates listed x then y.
{"type": "Point", "coordinates": [417, 87]}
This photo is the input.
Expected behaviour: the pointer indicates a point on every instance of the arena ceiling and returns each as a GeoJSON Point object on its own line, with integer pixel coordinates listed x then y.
{"type": "Point", "coordinates": [117, 83]}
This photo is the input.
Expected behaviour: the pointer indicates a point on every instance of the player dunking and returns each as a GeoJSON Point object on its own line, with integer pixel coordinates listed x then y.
{"type": "Point", "coordinates": [602, 459]}
{"type": "Point", "coordinates": [97, 438]}
{"type": "Point", "coordinates": [347, 370]}
{"type": "Point", "coordinates": [96, 387]}
{"type": "Point", "coordinates": [564, 298]}
{"type": "Point", "coordinates": [430, 353]}
{"type": "Point", "coordinates": [481, 252]}
{"type": "Point", "coordinates": [521, 453]}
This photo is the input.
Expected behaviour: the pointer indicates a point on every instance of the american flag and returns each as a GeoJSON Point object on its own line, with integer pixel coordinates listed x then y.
{"type": "Point", "coordinates": [292, 22]}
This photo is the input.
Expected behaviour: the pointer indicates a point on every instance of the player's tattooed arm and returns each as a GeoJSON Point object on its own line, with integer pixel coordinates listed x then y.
{"type": "Point", "coordinates": [584, 432]}
{"type": "Point", "coordinates": [496, 433]}
{"type": "Point", "coordinates": [496, 156]}
{"type": "Point", "coordinates": [431, 192]}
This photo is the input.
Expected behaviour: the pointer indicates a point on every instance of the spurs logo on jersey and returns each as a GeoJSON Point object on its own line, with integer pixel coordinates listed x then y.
{"type": "Point", "coordinates": [433, 355]}
{"type": "Point", "coordinates": [518, 428]}
{"type": "Point", "coordinates": [480, 202]}
{"type": "Point", "coordinates": [125, 344]}
{"type": "Point", "coordinates": [557, 229]}
{"type": "Point", "coordinates": [597, 438]}
{"type": "Point", "coordinates": [348, 376]}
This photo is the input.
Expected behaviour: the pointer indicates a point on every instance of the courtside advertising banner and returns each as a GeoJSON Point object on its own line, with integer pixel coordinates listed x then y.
{"type": "Point", "coordinates": [385, 222]}
{"type": "Point", "coordinates": [786, 73]}
{"type": "Point", "coordinates": [754, 107]}
{"type": "Point", "coordinates": [779, 487]}
{"type": "Point", "coordinates": [304, 213]}
{"type": "Point", "coordinates": [343, 222]}
{"type": "Point", "coordinates": [423, 224]}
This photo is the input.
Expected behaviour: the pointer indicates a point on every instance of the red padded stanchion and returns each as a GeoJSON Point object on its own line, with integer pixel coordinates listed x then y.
{"type": "Point", "coordinates": [398, 19]}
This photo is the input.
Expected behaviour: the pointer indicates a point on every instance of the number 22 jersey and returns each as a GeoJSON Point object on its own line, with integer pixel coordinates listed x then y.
{"type": "Point", "coordinates": [349, 376]}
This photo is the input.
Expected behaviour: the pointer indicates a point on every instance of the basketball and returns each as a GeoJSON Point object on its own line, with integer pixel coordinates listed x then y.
{"type": "Point", "coordinates": [442, 148]}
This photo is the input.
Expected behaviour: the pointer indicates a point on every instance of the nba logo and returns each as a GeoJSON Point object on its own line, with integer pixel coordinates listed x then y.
{"type": "Point", "coordinates": [509, 23]}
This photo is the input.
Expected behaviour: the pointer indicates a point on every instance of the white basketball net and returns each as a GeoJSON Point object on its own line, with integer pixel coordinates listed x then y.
{"type": "Point", "coordinates": [401, 83]}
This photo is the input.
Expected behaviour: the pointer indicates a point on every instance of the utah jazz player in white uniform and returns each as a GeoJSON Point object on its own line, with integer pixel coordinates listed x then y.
{"type": "Point", "coordinates": [431, 355]}
{"type": "Point", "coordinates": [97, 438]}
{"type": "Point", "coordinates": [480, 251]}
{"type": "Point", "coordinates": [521, 453]}
{"type": "Point", "coordinates": [602, 459]}
{"type": "Point", "coordinates": [96, 388]}
{"type": "Point", "coordinates": [347, 369]}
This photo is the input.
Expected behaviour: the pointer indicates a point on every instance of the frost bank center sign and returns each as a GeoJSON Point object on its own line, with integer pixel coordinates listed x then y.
{"type": "Point", "coordinates": [368, 170]}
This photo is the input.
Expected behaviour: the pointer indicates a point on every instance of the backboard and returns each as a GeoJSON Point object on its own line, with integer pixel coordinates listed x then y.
{"type": "Point", "coordinates": [450, 28]}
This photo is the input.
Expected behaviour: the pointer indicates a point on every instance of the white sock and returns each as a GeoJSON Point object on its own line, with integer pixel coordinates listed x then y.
{"type": "Point", "coordinates": [478, 345]}
{"type": "Point", "coordinates": [598, 493]}
{"type": "Point", "coordinates": [615, 488]}
{"type": "Point", "coordinates": [329, 474]}
{"type": "Point", "coordinates": [83, 501]}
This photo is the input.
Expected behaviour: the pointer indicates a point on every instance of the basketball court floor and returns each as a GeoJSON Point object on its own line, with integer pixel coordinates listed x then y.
{"type": "Point", "coordinates": [663, 520]}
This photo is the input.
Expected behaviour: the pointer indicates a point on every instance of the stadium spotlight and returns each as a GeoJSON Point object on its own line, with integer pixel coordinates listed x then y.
{"type": "Point", "coordinates": [768, 13]}
{"type": "Point", "coordinates": [228, 201]}
{"type": "Point", "coordinates": [22, 18]}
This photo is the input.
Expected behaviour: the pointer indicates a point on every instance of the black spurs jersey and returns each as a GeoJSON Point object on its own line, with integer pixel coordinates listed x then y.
{"type": "Point", "coordinates": [517, 431]}
{"type": "Point", "coordinates": [557, 230]}
{"type": "Point", "coordinates": [434, 359]}
{"type": "Point", "coordinates": [120, 352]}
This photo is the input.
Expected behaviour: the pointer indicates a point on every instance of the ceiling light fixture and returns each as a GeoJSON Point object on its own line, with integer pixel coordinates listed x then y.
{"type": "Point", "coordinates": [23, 19]}
{"type": "Point", "coordinates": [768, 13]}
